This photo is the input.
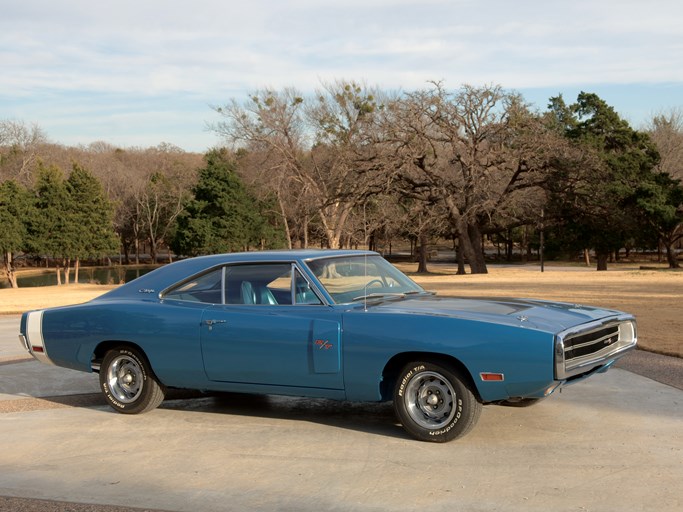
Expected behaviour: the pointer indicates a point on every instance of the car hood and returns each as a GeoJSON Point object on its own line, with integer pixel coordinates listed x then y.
{"type": "Point", "coordinates": [529, 313]}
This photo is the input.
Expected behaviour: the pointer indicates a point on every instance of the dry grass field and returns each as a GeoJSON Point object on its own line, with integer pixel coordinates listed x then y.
{"type": "Point", "coordinates": [18, 300]}
{"type": "Point", "coordinates": [654, 296]}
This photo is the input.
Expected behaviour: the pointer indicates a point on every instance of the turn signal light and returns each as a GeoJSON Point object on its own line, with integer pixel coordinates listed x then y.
{"type": "Point", "coordinates": [499, 377]}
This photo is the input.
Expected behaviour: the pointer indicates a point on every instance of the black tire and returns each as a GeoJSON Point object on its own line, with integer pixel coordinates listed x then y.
{"type": "Point", "coordinates": [433, 403]}
{"type": "Point", "coordinates": [128, 383]}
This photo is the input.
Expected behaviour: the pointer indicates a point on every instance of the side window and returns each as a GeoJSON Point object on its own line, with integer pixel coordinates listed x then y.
{"type": "Point", "coordinates": [259, 284]}
{"type": "Point", "coordinates": [204, 288]}
{"type": "Point", "coordinates": [267, 284]}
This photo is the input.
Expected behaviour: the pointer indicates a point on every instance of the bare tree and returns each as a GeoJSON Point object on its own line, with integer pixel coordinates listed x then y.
{"type": "Point", "coordinates": [159, 196]}
{"type": "Point", "coordinates": [311, 148]}
{"type": "Point", "coordinates": [270, 125]}
{"type": "Point", "coordinates": [478, 152]}
{"type": "Point", "coordinates": [666, 131]}
{"type": "Point", "coordinates": [19, 149]}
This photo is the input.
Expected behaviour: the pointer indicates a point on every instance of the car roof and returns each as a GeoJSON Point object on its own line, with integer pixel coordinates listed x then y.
{"type": "Point", "coordinates": [154, 282]}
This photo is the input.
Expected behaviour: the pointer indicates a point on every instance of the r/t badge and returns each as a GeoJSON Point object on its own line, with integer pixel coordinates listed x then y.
{"type": "Point", "coordinates": [323, 344]}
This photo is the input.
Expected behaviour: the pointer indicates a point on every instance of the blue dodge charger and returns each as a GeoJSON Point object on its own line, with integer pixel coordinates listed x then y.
{"type": "Point", "coordinates": [344, 325]}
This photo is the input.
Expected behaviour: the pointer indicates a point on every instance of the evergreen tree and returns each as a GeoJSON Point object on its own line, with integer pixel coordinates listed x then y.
{"type": "Point", "coordinates": [72, 218]}
{"type": "Point", "coordinates": [660, 203]}
{"type": "Point", "coordinates": [52, 228]}
{"type": "Point", "coordinates": [14, 212]}
{"type": "Point", "coordinates": [595, 201]}
{"type": "Point", "coordinates": [222, 216]}
{"type": "Point", "coordinates": [92, 217]}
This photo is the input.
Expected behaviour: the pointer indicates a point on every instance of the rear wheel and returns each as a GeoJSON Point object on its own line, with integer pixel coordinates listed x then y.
{"type": "Point", "coordinates": [128, 383]}
{"type": "Point", "coordinates": [434, 403]}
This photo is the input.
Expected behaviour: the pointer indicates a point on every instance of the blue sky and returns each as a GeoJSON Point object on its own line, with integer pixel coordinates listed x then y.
{"type": "Point", "coordinates": [138, 73]}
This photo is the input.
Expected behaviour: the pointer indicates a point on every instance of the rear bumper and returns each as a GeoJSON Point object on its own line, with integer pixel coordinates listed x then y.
{"type": "Point", "coordinates": [32, 339]}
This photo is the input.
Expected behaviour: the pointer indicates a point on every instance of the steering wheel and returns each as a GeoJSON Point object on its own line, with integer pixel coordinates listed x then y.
{"type": "Point", "coordinates": [374, 281]}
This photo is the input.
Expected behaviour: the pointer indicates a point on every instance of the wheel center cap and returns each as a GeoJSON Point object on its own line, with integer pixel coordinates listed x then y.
{"type": "Point", "coordinates": [127, 378]}
{"type": "Point", "coordinates": [432, 399]}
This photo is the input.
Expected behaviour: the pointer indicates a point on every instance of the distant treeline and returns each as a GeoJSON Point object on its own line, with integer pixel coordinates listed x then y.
{"type": "Point", "coordinates": [356, 166]}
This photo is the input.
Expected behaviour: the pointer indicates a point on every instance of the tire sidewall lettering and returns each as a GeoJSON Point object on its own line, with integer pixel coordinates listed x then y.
{"type": "Point", "coordinates": [407, 377]}
{"type": "Point", "coordinates": [451, 425]}
{"type": "Point", "coordinates": [105, 386]}
{"type": "Point", "coordinates": [110, 397]}
{"type": "Point", "coordinates": [410, 392]}
{"type": "Point", "coordinates": [137, 360]}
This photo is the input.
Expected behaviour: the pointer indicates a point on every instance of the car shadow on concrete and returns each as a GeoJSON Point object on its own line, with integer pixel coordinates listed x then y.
{"type": "Point", "coordinates": [367, 417]}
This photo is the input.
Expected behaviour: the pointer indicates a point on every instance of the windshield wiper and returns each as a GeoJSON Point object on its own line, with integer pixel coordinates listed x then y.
{"type": "Point", "coordinates": [377, 296]}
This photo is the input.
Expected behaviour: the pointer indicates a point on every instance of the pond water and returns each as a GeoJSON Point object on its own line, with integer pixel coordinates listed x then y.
{"type": "Point", "coordinates": [94, 275]}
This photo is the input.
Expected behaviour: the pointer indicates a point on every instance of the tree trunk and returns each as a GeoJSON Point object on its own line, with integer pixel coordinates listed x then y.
{"type": "Point", "coordinates": [422, 254]}
{"type": "Point", "coordinates": [283, 214]}
{"type": "Point", "coordinates": [67, 270]}
{"type": "Point", "coordinates": [671, 258]}
{"type": "Point", "coordinates": [460, 258]}
{"type": "Point", "coordinates": [126, 253]}
{"type": "Point", "coordinates": [477, 261]}
{"type": "Point", "coordinates": [470, 238]}
{"type": "Point", "coordinates": [77, 267]}
{"type": "Point", "coordinates": [587, 257]}
{"type": "Point", "coordinates": [9, 270]}
{"type": "Point", "coordinates": [509, 246]}
{"type": "Point", "coordinates": [305, 230]}
{"type": "Point", "coordinates": [153, 251]}
{"type": "Point", "coordinates": [602, 257]}
{"type": "Point", "coordinates": [372, 242]}
{"type": "Point", "coordinates": [469, 249]}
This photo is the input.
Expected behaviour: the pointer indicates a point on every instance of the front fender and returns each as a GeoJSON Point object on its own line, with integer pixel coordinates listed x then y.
{"type": "Point", "coordinates": [523, 356]}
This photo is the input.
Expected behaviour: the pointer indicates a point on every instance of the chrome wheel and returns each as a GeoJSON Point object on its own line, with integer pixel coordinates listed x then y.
{"type": "Point", "coordinates": [128, 381]}
{"type": "Point", "coordinates": [429, 399]}
{"type": "Point", "coordinates": [125, 379]}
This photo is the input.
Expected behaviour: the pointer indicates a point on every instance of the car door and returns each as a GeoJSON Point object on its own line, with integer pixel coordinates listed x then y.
{"type": "Point", "coordinates": [271, 330]}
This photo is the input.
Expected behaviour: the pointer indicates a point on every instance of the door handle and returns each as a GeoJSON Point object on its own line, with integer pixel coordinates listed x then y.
{"type": "Point", "coordinates": [211, 323]}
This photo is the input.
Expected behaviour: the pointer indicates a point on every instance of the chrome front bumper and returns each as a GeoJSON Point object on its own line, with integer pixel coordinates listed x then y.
{"type": "Point", "coordinates": [596, 344]}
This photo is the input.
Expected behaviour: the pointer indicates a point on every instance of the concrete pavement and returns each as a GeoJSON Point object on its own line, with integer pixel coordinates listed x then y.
{"type": "Point", "coordinates": [614, 442]}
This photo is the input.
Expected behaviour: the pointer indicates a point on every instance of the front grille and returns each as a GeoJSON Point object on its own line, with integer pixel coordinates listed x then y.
{"type": "Point", "coordinates": [582, 349]}
{"type": "Point", "coordinates": [590, 343]}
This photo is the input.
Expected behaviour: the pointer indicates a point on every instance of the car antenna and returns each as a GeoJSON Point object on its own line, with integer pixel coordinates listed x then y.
{"type": "Point", "coordinates": [365, 283]}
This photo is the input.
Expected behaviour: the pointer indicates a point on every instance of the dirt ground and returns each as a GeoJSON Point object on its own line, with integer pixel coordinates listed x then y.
{"type": "Point", "coordinates": [654, 296]}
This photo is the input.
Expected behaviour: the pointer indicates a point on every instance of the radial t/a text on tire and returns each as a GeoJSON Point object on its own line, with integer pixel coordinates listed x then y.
{"type": "Point", "coordinates": [434, 403]}
{"type": "Point", "coordinates": [128, 383]}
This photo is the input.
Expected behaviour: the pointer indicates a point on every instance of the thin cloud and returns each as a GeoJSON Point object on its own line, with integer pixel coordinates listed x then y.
{"type": "Point", "coordinates": [178, 58]}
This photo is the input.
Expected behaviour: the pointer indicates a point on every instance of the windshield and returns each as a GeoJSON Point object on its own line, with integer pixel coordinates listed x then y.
{"type": "Point", "coordinates": [352, 278]}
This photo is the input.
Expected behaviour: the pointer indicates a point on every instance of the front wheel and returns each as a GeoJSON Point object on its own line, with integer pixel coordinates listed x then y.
{"type": "Point", "coordinates": [128, 383]}
{"type": "Point", "coordinates": [434, 403]}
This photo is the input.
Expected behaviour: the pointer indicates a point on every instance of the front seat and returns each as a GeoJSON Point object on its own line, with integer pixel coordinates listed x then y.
{"type": "Point", "coordinates": [247, 293]}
